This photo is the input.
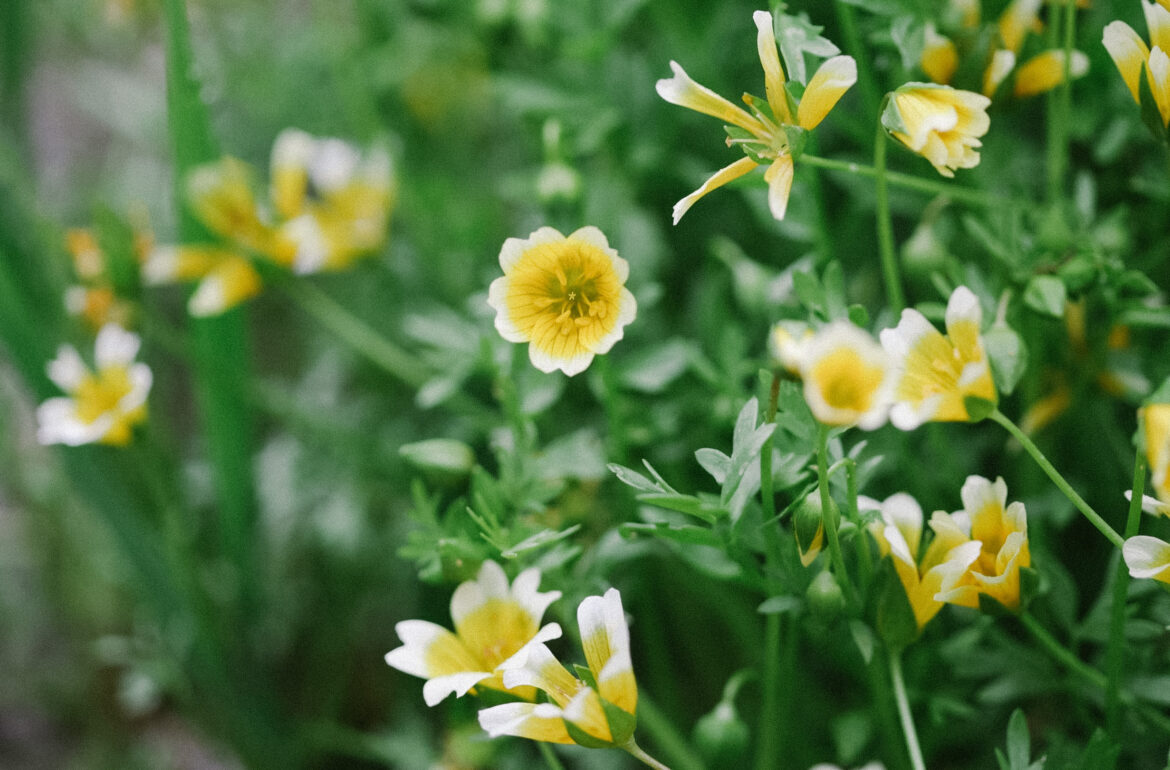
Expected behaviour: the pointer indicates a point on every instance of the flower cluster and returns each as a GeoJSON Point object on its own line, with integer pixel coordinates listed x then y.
{"type": "Point", "coordinates": [104, 403]}
{"type": "Point", "coordinates": [328, 204]}
{"type": "Point", "coordinates": [768, 133]}
{"type": "Point", "coordinates": [976, 551]}
{"type": "Point", "coordinates": [916, 375]}
{"type": "Point", "coordinates": [95, 298]}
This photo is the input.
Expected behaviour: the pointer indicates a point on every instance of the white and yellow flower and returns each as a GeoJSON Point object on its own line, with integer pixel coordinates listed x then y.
{"type": "Point", "coordinates": [1002, 533]}
{"type": "Point", "coordinates": [595, 714]}
{"type": "Point", "coordinates": [899, 535]}
{"type": "Point", "coordinates": [936, 373]}
{"type": "Point", "coordinates": [847, 377]}
{"type": "Point", "coordinates": [1156, 421]}
{"type": "Point", "coordinates": [940, 123]}
{"type": "Point", "coordinates": [494, 622]}
{"type": "Point", "coordinates": [104, 404]}
{"type": "Point", "coordinates": [1133, 58]}
{"type": "Point", "coordinates": [764, 134]}
{"type": "Point", "coordinates": [788, 343]}
{"type": "Point", "coordinates": [565, 296]}
{"type": "Point", "coordinates": [1147, 557]}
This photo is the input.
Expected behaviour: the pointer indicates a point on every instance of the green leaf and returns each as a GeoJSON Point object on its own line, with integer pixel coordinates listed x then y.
{"type": "Point", "coordinates": [896, 624]}
{"type": "Point", "coordinates": [539, 540]}
{"type": "Point", "coordinates": [909, 35]}
{"type": "Point", "coordinates": [1008, 356]}
{"type": "Point", "coordinates": [714, 462]}
{"type": "Point", "coordinates": [1019, 746]}
{"type": "Point", "coordinates": [681, 533]}
{"type": "Point", "coordinates": [632, 478]}
{"type": "Point", "coordinates": [778, 605]}
{"type": "Point", "coordinates": [688, 504]}
{"type": "Point", "coordinates": [978, 408]}
{"type": "Point", "coordinates": [798, 36]}
{"type": "Point", "coordinates": [444, 455]}
{"type": "Point", "coordinates": [1046, 294]}
{"type": "Point", "coordinates": [864, 638]}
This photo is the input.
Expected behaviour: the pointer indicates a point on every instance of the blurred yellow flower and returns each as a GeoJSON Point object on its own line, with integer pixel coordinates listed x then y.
{"type": "Point", "coordinates": [1147, 557]}
{"type": "Point", "coordinates": [940, 123]}
{"type": "Point", "coordinates": [577, 710]}
{"type": "Point", "coordinates": [1155, 419]}
{"type": "Point", "coordinates": [787, 344]}
{"type": "Point", "coordinates": [103, 404]}
{"type": "Point", "coordinates": [765, 134]}
{"type": "Point", "coordinates": [565, 296]}
{"type": "Point", "coordinates": [1133, 58]}
{"type": "Point", "coordinates": [1002, 533]}
{"type": "Point", "coordinates": [899, 535]}
{"type": "Point", "coordinates": [94, 299]}
{"type": "Point", "coordinates": [935, 373]}
{"type": "Point", "coordinates": [940, 57]}
{"type": "Point", "coordinates": [493, 622]}
{"type": "Point", "coordinates": [329, 205]}
{"type": "Point", "coordinates": [847, 377]}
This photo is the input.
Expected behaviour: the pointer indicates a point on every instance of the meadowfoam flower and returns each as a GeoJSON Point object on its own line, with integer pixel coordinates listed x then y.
{"type": "Point", "coordinates": [1155, 421]}
{"type": "Point", "coordinates": [936, 373]}
{"type": "Point", "coordinates": [767, 133]}
{"type": "Point", "coordinates": [1137, 62]}
{"type": "Point", "coordinates": [788, 344]}
{"type": "Point", "coordinates": [899, 535]}
{"type": "Point", "coordinates": [847, 377]}
{"type": "Point", "coordinates": [565, 297]}
{"type": "Point", "coordinates": [1001, 530]}
{"type": "Point", "coordinates": [596, 711]}
{"type": "Point", "coordinates": [493, 624]}
{"type": "Point", "coordinates": [940, 123]}
{"type": "Point", "coordinates": [1147, 557]}
{"type": "Point", "coordinates": [94, 298]}
{"type": "Point", "coordinates": [103, 404]}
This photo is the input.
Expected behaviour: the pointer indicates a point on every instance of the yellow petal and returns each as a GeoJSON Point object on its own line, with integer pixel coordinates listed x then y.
{"type": "Point", "coordinates": [606, 640]}
{"type": "Point", "coordinates": [1129, 53]}
{"type": "Point", "coordinates": [1017, 20]}
{"type": "Point", "coordinates": [228, 284]}
{"type": "Point", "coordinates": [1001, 64]}
{"type": "Point", "coordinates": [1156, 419]}
{"type": "Point", "coordinates": [1045, 71]}
{"type": "Point", "coordinates": [832, 79]}
{"type": "Point", "coordinates": [718, 179]}
{"type": "Point", "coordinates": [1158, 72]}
{"type": "Point", "coordinates": [1158, 23]}
{"type": "Point", "coordinates": [535, 721]}
{"type": "Point", "coordinates": [940, 58]}
{"type": "Point", "coordinates": [779, 179]}
{"type": "Point", "coordinates": [770, 61]}
{"type": "Point", "coordinates": [683, 91]}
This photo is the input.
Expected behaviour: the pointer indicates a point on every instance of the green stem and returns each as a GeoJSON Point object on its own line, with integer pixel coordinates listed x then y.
{"type": "Point", "coordinates": [768, 747]}
{"type": "Point", "coordinates": [1116, 650]}
{"type": "Point", "coordinates": [907, 718]}
{"type": "Point", "coordinates": [829, 516]}
{"type": "Point", "coordinates": [855, 516]}
{"type": "Point", "coordinates": [550, 757]}
{"type": "Point", "coordinates": [355, 333]}
{"type": "Point", "coordinates": [1059, 104]}
{"type": "Point", "coordinates": [612, 404]}
{"type": "Point", "coordinates": [636, 752]}
{"type": "Point", "coordinates": [767, 491]}
{"type": "Point", "coordinates": [885, 226]}
{"type": "Point", "coordinates": [1094, 518]}
{"type": "Point", "coordinates": [668, 739]}
{"type": "Point", "coordinates": [854, 47]}
{"type": "Point", "coordinates": [932, 187]}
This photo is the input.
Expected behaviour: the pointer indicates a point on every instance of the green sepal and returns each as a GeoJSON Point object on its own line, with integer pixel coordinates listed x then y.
{"type": "Point", "coordinates": [978, 408]}
{"type": "Point", "coordinates": [582, 738]}
{"type": "Point", "coordinates": [994, 607]}
{"type": "Point", "coordinates": [891, 117]}
{"type": "Point", "coordinates": [585, 674]}
{"type": "Point", "coordinates": [1031, 586]}
{"type": "Point", "coordinates": [1151, 115]}
{"type": "Point", "coordinates": [735, 132]}
{"type": "Point", "coordinates": [796, 137]}
{"type": "Point", "coordinates": [896, 624]}
{"type": "Point", "coordinates": [621, 722]}
{"type": "Point", "coordinates": [858, 315]}
{"type": "Point", "coordinates": [807, 520]}
{"type": "Point", "coordinates": [1161, 395]}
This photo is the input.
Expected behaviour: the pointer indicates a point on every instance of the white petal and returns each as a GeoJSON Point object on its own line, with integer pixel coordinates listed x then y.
{"type": "Point", "coordinates": [1146, 556]}
{"type": "Point", "coordinates": [435, 690]}
{"type": "Point", "coordinates": [115, 346]}
{"type": "Point", "coordinates": [67, 370]}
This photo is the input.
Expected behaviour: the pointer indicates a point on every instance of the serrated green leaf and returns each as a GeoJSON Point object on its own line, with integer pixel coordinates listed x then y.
{"type": "Point", "coordinates": [688, 504]}
{"type": "Point", "coordinates": [539, 540]}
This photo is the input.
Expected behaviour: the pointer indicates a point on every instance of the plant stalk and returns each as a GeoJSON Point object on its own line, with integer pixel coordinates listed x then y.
{"type": "Point", "coordinates": [904, 714]}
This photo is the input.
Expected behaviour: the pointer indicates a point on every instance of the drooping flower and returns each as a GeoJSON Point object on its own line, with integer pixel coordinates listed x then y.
{"type": "Point", "coordinates": [596, 713]}
{"type": "Point", "coordinates": [935, 373]}
{"type": "Point", "coordinates": [1147, 557]}
{"type": "Point", "coordinates": [105, 403]}
{"type": "Point", "coordinates": [565, 296]}
{"type": "Point", "coordinates": [328, 205]}
{"type": "Point", "coordinates": [493, 622]}
{"type": "Point", "coordinates": [1002, 533]}
{"type": "Point", "coordinates": [940, 123]}
{"type": "Point", "coordinates": [847, 377]}
{"type": "Point", "coordinates": [1134, 59]}
{"type": "Point", "coordinates": [899, 535]}
{"type": "Point", "coordinates": [767, 132]}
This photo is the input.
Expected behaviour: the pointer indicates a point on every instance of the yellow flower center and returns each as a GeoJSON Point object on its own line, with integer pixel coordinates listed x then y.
{"type": "Point", "coordinates": [100, 394]}
{"type": "Point", "coordinates": [495, 631]}
{"type": "Point", "coordinates": [564, 297]}
{"type": "Point", "coordinates": [847, 381]}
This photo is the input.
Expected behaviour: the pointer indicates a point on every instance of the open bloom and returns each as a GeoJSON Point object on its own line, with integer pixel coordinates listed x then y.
{"type": "Point", "coordinates": [595, 713]}
{"type": "Point", "coordinates": [493, 622]}
{"type": "Point", "coordinates": [328, 205]}
{"type": "Point", "coordinates": [1147, 557]}
{"type": "Point", "coordinates": [899, 535]}
{"type": "Point", "coordinates": [565, 297]}
{"type": "Point", "coordinates": [935, 373]}
{"type": "Point", "coordinates": [940, 123]}
{"type": "Point", "coordinates": [1002, 533]}
{"type": "Point", "coordinates": [766, 133]}
{"type": "Point", "coordinates": [103, 404]}
{"type": "Point", "coordinates": [847, 377]}
{"type": "Point", "coordinates": [1134, 59]}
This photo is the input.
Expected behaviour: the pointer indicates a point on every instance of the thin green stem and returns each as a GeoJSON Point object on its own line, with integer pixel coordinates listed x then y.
{"type": "Point", "coordinates": [904, 714]}
{"type": "Point", "coordinates": [930, 186]}
{"type": "Point", "coordinates": [768, 747]}
{"type": "Point", "coordinates": [636, 751]}
{"type": "Point", "coordinates": [550, 757]}
{"type": "Point", "coordinates": [1059, 104]}
{"type": "Point", "coordinates": [866, 559]}
{"type": "Point", "coordinates": [767, 491]}
{"type": "Point", "coordinates": [1116, 651]}
{"type": "Point", "coordinates": [829, 516]}
{"type": "Point", "coordinates": [355, 333]}
{"type": "Point", "coordinates": [885, 226]}
{"type": "Point", "coordinates": [611, 402]}
{"type": "Point", "coordinates": [1093, 517]}
{"type": "Point", "coordinates": [664, 734]}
